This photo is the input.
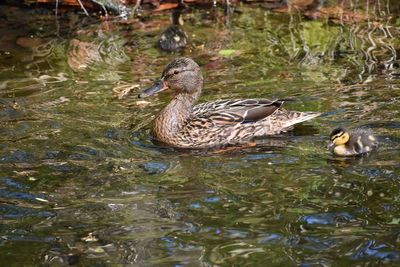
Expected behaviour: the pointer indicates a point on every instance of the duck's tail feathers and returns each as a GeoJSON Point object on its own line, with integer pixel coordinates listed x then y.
{"type": "Point", "coordinates": [295, 117]}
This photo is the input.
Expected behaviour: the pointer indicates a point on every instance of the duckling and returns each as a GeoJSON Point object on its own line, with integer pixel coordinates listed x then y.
{"type": "Point", "coordinates": [174, 37]}
{"type": "Point", "coordinates": [352, 142]}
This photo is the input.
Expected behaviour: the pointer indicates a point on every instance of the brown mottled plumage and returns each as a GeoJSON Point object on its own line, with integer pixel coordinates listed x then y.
{"type": "Point", "coordinates": [219, 123]}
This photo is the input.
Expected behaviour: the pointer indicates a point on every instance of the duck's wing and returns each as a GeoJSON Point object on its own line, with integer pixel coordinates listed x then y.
{"type": "Point", "coordinates": [236, 111]}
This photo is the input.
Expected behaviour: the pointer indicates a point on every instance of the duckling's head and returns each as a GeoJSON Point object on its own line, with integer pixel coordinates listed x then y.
{"type": "Point", "coordinates": [339, 136]}
{"type": "Point", "coordinates": [182, 75]}
{"type": "Point", "coordinates": [176, 15]}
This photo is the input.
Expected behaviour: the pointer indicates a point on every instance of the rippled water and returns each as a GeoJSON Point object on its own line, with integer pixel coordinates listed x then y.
{"type": "Point", "coordinates": [81, 182]}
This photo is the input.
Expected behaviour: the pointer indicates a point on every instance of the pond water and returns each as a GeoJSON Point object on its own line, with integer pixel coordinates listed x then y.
{"type": "Point", "coordinates": [81, 182]}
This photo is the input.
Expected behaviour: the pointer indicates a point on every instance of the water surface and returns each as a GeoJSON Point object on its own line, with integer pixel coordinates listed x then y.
{"type": "Point", "coordinates": [81, 183]}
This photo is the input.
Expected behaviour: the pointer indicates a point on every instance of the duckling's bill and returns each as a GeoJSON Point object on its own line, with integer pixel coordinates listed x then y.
{"type": "Point", "coordinates": [157, 87]}
{"type": "Point", "coordinates": [330, 145]}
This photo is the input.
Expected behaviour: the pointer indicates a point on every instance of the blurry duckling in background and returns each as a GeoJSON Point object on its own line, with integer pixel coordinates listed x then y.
{"type": "Point", "coordinates": [352, 142]}
{"type": "Point", "coordinates": [174, 37]}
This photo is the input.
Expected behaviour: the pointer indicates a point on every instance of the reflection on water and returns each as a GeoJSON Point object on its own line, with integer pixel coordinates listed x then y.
{"type": "Point", "coordinates": [81, 182]}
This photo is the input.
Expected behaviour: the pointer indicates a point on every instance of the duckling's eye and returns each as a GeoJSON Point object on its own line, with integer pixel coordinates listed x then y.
{"type": "Point", "coordinates": [176, 72]}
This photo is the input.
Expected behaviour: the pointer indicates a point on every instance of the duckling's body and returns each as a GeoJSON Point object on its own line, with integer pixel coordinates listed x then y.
{"type": "Point", "coordinates": [174, 37]}
{"type": "Point", "coordinates": [352, 142]}
{"type": "Point", "coordinates": [219, 123]}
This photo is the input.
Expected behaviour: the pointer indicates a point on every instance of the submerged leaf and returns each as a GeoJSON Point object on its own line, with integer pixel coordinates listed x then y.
{"type": "Point", "coordinates": [226, 52]}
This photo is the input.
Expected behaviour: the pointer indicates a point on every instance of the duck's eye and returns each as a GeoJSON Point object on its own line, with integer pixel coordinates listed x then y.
{"type": "Point", "coordinates": [176, 72]}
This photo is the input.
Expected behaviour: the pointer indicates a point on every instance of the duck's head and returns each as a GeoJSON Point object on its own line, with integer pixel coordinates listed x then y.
{"type": "Point", "coordinates": [182, 75]}
{"type": "Point", "coordinates": [339, 136]}
{"type": "Point", "coordinates": [176, 15]}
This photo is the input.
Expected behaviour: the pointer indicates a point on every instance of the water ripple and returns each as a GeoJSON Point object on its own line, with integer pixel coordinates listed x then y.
{"type": "Point", "coordinates": [374, 249]}
{"type": "Point", "coordinates": [8, 211]}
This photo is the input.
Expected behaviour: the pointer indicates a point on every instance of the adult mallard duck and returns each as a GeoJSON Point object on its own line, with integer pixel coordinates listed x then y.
{"type": "Point", "coordinates": [223, 122]}
{"type": "Point", "coordinates": [352, 142]}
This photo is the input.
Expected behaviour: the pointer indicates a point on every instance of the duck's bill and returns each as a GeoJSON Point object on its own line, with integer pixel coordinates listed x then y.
{"type": "Point", "coordinates": [157, 87]}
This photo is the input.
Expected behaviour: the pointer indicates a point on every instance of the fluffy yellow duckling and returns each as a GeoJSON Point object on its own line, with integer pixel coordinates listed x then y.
{"type": "Point", "coordinates": [352, 142]}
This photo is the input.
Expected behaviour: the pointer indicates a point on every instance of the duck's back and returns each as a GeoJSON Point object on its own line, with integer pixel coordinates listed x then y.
{"type": "Point", "coordinates": [227, 122]}
{"type": "Point", "coordinates": [361, 141]}
{"type": "Point", "coordinates": [244, 111]}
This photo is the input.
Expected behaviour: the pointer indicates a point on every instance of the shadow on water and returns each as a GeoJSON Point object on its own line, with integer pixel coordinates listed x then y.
{"type": "Point", "coordinates": [82, 183]}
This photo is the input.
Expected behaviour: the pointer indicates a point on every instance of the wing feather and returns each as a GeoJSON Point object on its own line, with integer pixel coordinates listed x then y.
{"type": "Point", "coordinates": [237, 111]}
